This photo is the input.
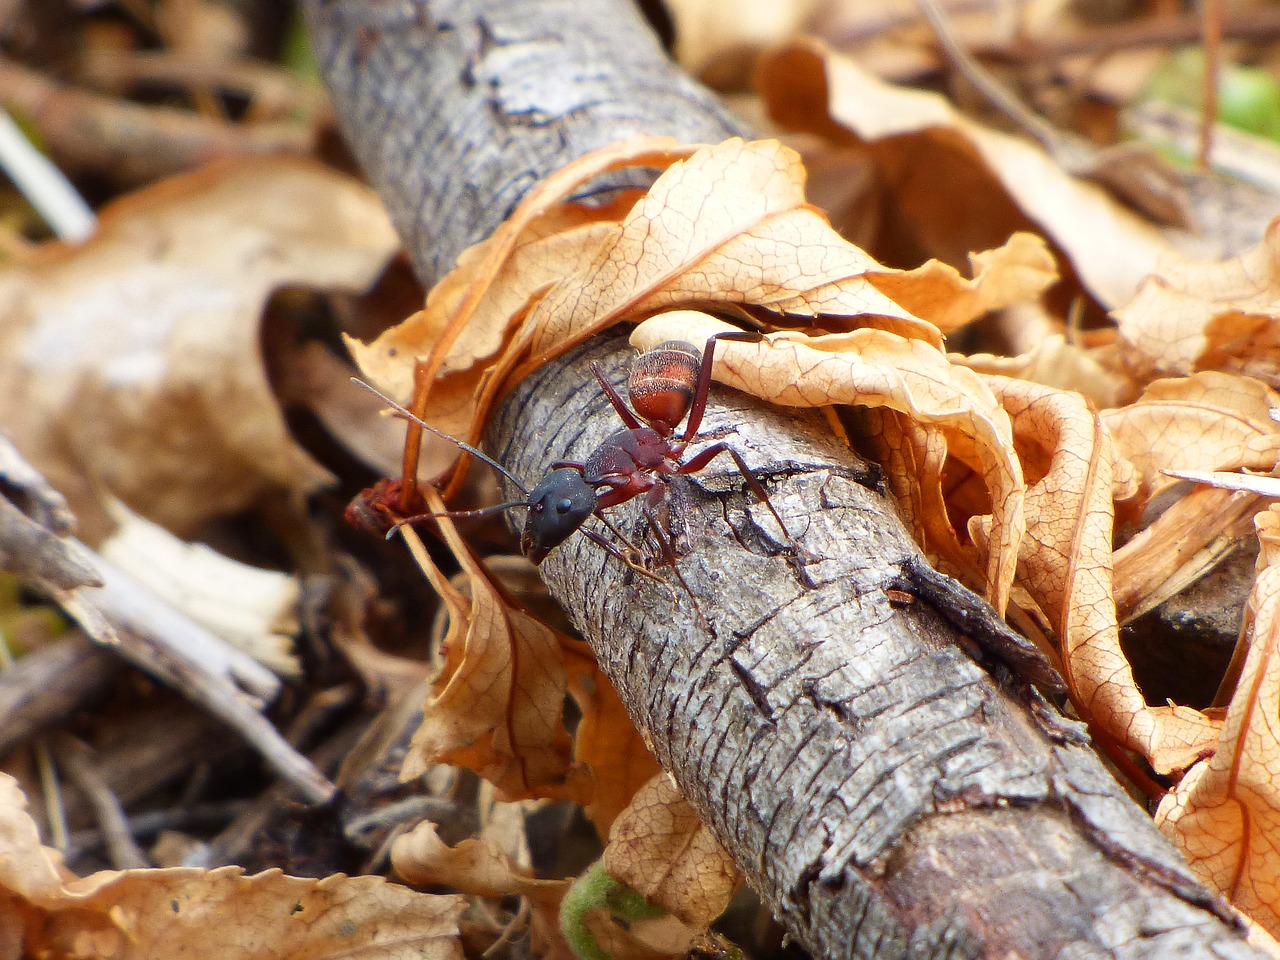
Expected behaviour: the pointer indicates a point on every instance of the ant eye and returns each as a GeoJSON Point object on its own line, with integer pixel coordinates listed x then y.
{"type": "Point", "coordinates": [564, 506]}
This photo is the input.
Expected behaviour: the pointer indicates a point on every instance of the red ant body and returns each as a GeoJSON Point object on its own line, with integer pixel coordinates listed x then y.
{"type": "Point", "coordinates": [665, 383]}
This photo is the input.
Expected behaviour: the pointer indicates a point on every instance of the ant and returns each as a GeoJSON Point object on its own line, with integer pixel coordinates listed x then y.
{"type": "Point", "coordinates": [665, 384]}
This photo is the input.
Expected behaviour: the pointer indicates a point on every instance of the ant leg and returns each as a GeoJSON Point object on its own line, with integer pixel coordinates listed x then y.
{"type": "Point", "coordinates": [622, 537]}
{"type": "Point", "coordinates": [568, 465]}
{"type": "Point", "coordinates": [612, 549]}
{"type": "Point", "coordinates": [703, 387]}
{"type": "Point", "coordinates": [624, 411]}
{"type": "Point", "coordinates": [713, 451]}
{"type": "Point", "coordinates": [668, 550]}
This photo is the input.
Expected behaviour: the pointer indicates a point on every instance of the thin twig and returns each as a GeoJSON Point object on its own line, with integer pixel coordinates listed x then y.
{"type": "Point", "coordinates": [132, 143]}
{"type": "Point", "coordinates": [1212, 16]}
{"type": "Point", "coordinates": [1259, 24]}
{"type": "Point", "coordinates": [275, 93]}
{"type": "Point", "coordinates": [150, 824]}
{"type": "Point", "coordinates": [162, 641]}
{"type": "Point", "coordinates": [49, 787]}
{"type": "Point", "coordinates": [49, 684]}
{"type": "Point", "coordinates": [73, 755]}
{"type": "Point", "coordinates": [1132, 173]}
{"type": "Point", "coordinates": [43, 185]}
{"type": "Point", "coordinates": [1000, 96]}
{"type": "Point", "coordinates": [54, 811]}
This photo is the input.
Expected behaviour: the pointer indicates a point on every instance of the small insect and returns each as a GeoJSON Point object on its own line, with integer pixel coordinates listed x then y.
{"type": "Point", "coordinates": [665, 384]}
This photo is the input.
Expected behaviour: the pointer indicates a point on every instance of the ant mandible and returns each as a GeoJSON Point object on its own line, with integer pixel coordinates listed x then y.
{"type": "Point", "coordinates": [665, 383]}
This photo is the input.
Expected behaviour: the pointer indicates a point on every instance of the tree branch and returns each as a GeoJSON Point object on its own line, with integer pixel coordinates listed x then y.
{"type": "Point", "coordinates": [881, 791]}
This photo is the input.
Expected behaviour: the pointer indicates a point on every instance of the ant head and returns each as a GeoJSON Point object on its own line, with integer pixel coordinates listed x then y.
{"type": "Point", "coordinates": [558, 505]}
{"type": "Point", "coordinates": [662, 384]}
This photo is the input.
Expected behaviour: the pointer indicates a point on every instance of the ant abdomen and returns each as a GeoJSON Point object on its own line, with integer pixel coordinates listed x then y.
{"type": "Point", "coordinates": [662, 383]}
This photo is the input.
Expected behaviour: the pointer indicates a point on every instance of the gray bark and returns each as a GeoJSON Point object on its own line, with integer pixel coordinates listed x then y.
{"type": "Point", "coordinates": [885, 796]}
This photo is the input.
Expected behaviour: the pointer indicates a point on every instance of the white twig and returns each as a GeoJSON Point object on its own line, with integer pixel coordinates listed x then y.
{"type": "Point", "coordinates": [44, 185]}
{"type": "Point", "coordinates": [1263, 486]}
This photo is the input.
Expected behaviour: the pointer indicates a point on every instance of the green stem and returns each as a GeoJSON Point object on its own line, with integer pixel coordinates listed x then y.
{"type": "Point", "coordinates": [595, 889]}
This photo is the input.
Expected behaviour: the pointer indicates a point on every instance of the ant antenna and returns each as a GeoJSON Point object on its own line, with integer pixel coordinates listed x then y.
{"type": "Point", "coordinates": [457, 514]}
{"type": "Point", "coordinates": [478, 454]}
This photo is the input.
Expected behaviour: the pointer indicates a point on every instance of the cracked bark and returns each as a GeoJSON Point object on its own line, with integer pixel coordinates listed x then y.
{"type": "Point", "coordinates": [883, 794]}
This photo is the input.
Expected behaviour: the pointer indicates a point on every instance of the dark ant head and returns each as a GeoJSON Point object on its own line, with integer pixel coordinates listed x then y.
{"type": "Point", "coordinates": [558, 505]}
{"type": "Point", "coordinates": [662, 384]}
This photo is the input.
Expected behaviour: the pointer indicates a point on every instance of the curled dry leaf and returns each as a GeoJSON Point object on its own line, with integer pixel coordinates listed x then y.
{"type": "Point", "coordinates": [913, 456]}
{"type": "Point", "coordinates": [606, 742]}
{"type": "Point", "coordinates": [1020, 270]}
{"type": "Point", "coordinates": [482, 867]}
{"type": "Point", "coordinates": [118, 915]}
{"type": "Point", "coordinates": [717, 40]}
{"type": "Point", "coordinates": [497, 704]}
{"type": "Point", "coordinates": [1225, 814]}
{"type": "Point", "coordinates": [1211, 421]}
{"type": "Point", "coordinates": [1190, 316]}
{"type": "Point", "coordinates": [468, 314]}
{"type": "Point", "coordinates": [1056, 362]}
{"type": "Point", "coordinates": [1065, 565]}
{"type": "Point", "coordinates": [659, 848]}
{"type": "Point", "coordinates": [132, 363]}
{"type": "Point", "coordinates": [876, 368]}
{"type": "Point", "coordinates": [754, 242]}
{"type": "Point", "coordinates": [474, 866]}
{"type": "Point", "coordinates": [914, 134]}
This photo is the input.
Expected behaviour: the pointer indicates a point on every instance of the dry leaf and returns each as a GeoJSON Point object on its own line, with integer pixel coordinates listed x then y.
{"type": "Point", "coordinates": [1211, 421]}
{"type": "Point", "coordinates": [659, 848]}
{"type": "Point", "coordinates": [497, 704]}
{"type": "Point", "coordinates": [606, 742]}
{"type": "Point", "coordinates": [148, 913]}
{"type": "Point", "coordinates": [913, 457]}
{"type": "Point", "coordinates": [875, 368]}
{"type": "Point", "coordinates": [118, 915]}
{"type": "Point", "coordinates": [535, 262]}
{"type": "Point", "coordinates": [662, 937]}
{"type": "Point", "coordinates": [955, 180]}
{"type": "Point", "coordinates": [482, 867]}
{"type": "Point", "coordinates": [132, 362]}
{"type": "Point", "coordinates": [1020, 270]}
{"type": "Point", "coordinates": [1055, 361]}
{"type": "Point", "coordinates": [474, 866]}
{"type": "Point", "coordinates": [1191, 316]}
{"type": "Point", "coordinates": [468, 313]}
{"type": "Point", "coordinates": [754, 242]}
{"type": "Point", "coordinates": [717, 40]}
{"type": "Point", "coordinates": [1225, 814]}
{"type": "Point", "coordinates": [1065, 565]}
